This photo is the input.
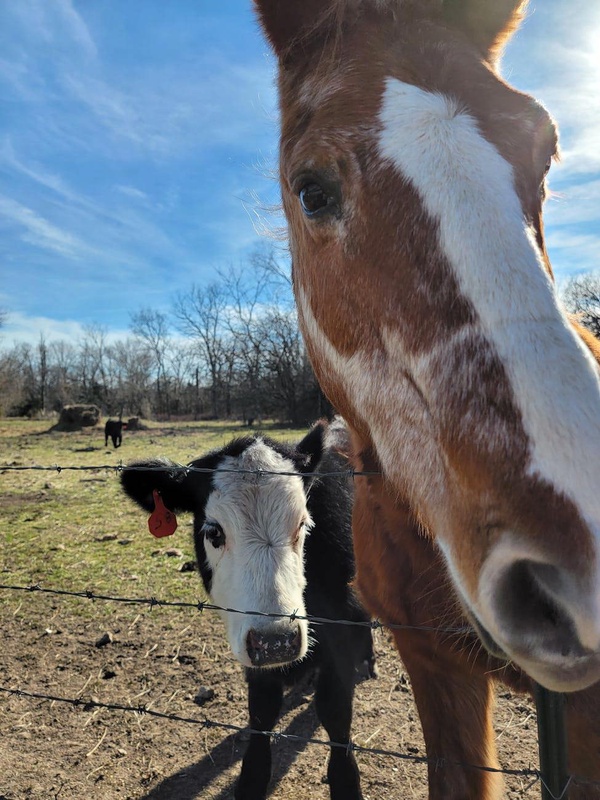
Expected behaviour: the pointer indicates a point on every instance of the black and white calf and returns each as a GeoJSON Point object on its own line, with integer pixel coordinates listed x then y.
{"type": "Point", "coordinates": [276, 539]}
{"type": "Point", "coordinates": [114, 429]}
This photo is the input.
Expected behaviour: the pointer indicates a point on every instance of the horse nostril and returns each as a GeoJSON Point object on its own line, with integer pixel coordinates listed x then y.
{"type": "Point", "coordinates": [267, 648]}
{"type": "Point", "coordinates": [532, 599]}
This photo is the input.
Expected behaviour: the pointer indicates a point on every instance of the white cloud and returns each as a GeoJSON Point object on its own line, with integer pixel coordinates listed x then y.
{"type": "Point", "coordinates": [35, 172]}
{"type": "Point", "coordinates": [560, 65]}
{"type": "Point", "coordinates": [23, 328]}
{"type": "Point", "coordinates": [555, 58]}
{"type": "Point", "coordinates": [575, 204]}
{"type": "Point", "coordinates": [53, 22]}
{"type": "Point", "coordinates": [131, 191]}
{"type": "Point", "coordinates": [76, 27]}
{"type": "Point", "coordinates": [38, 231]}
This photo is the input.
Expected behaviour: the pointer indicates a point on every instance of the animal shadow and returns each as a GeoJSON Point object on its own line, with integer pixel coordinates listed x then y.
{"type": "Point", "coordinates": [191, 782]}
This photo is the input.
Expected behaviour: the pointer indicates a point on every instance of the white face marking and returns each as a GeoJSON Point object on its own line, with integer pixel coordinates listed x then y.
{"type": "Point", "coordinates": [398, 420]}
{"type": "Point", "coordinates": [260, 568]}
{"type": "Point", "coordinates": [468, 188]}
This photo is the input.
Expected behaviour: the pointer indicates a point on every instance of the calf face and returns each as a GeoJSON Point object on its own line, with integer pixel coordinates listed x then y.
{"type": "Point", "coordinates": [250, 522]}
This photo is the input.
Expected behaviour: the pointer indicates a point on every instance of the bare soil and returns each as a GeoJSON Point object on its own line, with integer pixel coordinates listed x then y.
{"type": "Point", "coordinates": [160, 659]}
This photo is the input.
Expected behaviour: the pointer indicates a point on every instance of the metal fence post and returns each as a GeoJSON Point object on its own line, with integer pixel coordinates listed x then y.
{"type": "Point", "coordinates": [552, 742]}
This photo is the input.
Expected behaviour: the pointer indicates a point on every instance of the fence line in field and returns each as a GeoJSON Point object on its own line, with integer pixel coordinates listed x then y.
{"type": "Point", "coordinates": [277, 736]}
{"type": "Point", "coordinates": [552, 737]}
{"type": "Point", "coordinates": [201, 605]}
{"type": "Point", "coordinates": [181, 469]}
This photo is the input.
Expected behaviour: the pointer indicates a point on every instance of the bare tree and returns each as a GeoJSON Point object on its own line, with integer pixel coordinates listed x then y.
{"type": "Point", "coordinates": [248, 300]}
{"type": "Point", "coordinates": [581, 296]}
{"type": "Point", "coordinates": [14, 378]}
{"type": "Point", "coordinates": [152, 328]}
{"type": "Point", "coordinates": [134, 365]}
{"type": "Point", "coordinates": [91, 368]}
{"type": "Point", "coordinates": [43, 370]}
{"type": "Point", "coordinates": [63, 374]}
{"type": "Point", "coordinates": [201, 315]}
{"type": "Point", "coordinates": [284, 358]}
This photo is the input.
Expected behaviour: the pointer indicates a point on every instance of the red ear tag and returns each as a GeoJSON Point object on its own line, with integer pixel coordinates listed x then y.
{"type": "Point", "coordinates": [162, 522]}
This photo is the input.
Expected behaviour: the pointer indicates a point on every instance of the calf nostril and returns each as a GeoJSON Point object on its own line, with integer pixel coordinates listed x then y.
{"type": "Point", "coordinates": [267, 648]}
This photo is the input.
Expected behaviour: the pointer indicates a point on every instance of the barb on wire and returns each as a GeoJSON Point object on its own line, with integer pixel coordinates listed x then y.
{"type": "Point", "coordinates": [176, 469]}
{"type": "Point", "coordinates": [273, 735]}
{"type": "Point", "coordinates": [564, 791]}
{"type": "Point", "coordinates": [202, 605]}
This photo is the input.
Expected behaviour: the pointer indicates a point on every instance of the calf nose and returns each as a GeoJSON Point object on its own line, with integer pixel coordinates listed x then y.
{"type": "Point", "coordinates": [267, 648]}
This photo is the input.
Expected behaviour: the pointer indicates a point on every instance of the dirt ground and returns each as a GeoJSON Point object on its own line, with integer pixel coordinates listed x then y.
{"type": "Point", "coordinates": [161, 658]}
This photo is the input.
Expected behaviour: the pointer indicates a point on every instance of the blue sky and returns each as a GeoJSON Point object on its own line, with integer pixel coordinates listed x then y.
{"type": "Point", "coordinates": [138, 141]}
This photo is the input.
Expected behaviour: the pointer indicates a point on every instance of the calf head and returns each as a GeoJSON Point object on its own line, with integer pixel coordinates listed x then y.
{"type": "Point", "coordinates": [249, 502]}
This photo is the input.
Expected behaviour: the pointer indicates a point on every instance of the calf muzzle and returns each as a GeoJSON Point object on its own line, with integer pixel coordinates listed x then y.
{"type": "Point", "coordinates": [268, 649]}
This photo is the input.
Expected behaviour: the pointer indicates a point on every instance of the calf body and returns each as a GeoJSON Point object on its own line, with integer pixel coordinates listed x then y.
{"type": "Point", "coordinates": [114, 429]}
{"type": "Point", "coordinates": [273, 536]}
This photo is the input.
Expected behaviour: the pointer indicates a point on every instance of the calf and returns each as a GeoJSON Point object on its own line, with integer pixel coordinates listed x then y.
{"type": "Point", "coordinates": [114, 428]}
{"type": "Point", "coordinates": [272, 537]}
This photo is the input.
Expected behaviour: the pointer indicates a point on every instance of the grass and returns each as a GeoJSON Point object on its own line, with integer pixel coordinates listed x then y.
{"type": "Point", "coordinates": [76, 530]}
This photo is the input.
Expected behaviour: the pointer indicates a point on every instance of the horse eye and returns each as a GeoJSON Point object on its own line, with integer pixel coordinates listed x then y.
{"type": "Point", "coordinates": [547, 167]}
{"type": "Point", "coordinates": [214, 534]}
{"type": "Point", "coordinates": [313, 199]}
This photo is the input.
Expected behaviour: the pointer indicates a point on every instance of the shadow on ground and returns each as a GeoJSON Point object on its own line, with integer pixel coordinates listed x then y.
{"type": "Point", "coordinates": [192, 782]}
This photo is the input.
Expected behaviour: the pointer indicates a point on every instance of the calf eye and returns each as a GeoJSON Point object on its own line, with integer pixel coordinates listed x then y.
{"type": "Point", "coordinates": [299, 531]}
{"type": "Point", "coordinates": [213, 533]}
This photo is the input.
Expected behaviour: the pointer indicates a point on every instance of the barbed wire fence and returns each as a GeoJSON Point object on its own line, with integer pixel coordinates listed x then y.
{"type": "Point", "coordinates": [552, 774]}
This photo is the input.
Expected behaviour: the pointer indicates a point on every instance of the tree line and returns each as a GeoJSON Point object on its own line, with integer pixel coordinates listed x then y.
{"type": "Point", "coordinates": [231, 349]}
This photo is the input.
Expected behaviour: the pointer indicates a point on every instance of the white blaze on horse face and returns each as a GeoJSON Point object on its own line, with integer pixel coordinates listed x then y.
{"type": "Point", "coordinates": [467, 187]}
{"type": "Point", "coordinates": [389, 405]}
{"type": "Point", "coordinates": [261, 566]}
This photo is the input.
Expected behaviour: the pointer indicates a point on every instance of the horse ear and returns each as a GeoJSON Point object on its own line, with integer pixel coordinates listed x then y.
{"type": "Point", "coordinates": [489, 23]}
{"type": "Point", "coordinates": [288, 23]}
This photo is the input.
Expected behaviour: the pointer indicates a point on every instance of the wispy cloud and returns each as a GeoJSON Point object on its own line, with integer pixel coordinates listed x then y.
{"type": "Point", "coordinates": [556, 59]}
{"type": "Point", "coordinates": [51, 22]}
{"type": "Point", "coordinates": [76, 27]}
{"type": "Point", "coordinates": [561, 66]}
{"type": "Point", "coordinates": [38, 231]}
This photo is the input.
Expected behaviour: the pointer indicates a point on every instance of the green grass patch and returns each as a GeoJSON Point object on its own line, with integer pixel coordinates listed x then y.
{"type": "Point", "coordinates": [75, 530]}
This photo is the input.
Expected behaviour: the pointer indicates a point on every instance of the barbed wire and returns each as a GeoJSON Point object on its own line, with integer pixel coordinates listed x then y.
{"type": "Point", "coordinates": [201, 605]}
{"type": "Point", "coordinates": [183, 469]}
{"type": "Point", "coordinates": [277, 736]}
{"type": "Point", "coordinates": [207, 723]}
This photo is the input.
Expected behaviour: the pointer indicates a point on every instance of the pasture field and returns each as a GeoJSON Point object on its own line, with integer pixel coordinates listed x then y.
{"type": "Point", "coordinates": [75, 531]}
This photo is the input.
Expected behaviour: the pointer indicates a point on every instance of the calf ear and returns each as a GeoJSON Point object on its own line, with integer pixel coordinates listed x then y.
{"type": "Point", "coordinates": [176, 487]}
{"type": "Point", "coordinates": [310, 450]}
{"type": "Point", "coordinates": [489, 23]}
{"type": "Point", "coordinates": [292, 23]}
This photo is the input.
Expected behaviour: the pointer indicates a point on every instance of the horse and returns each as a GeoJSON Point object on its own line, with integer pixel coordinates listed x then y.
{"type": "Point", "coordinates": [254, 501]}
{"type": "Point", "coordinates": [413, 178]}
